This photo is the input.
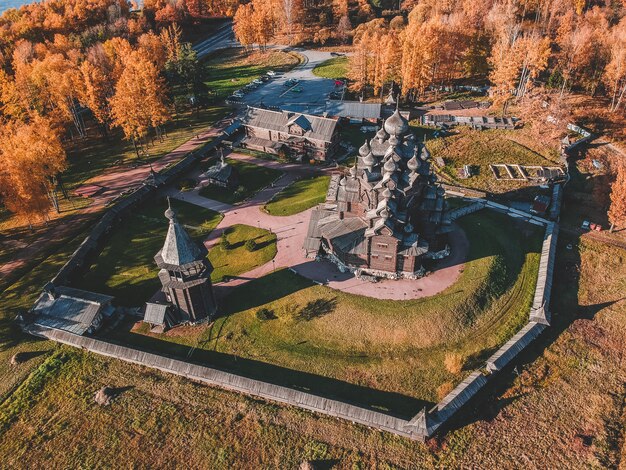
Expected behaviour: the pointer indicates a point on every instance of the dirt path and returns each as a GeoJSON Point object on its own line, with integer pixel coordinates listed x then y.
{"type": "Point", "coordinates": [291, 231]}
{"type": "Point", "coordinates": [102, 188]}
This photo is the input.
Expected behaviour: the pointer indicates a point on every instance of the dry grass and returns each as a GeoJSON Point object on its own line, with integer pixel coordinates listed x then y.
{"type": "Point", "coordinates": [444, 389]}
{"type": "Point", "coordinates": [453, 362]}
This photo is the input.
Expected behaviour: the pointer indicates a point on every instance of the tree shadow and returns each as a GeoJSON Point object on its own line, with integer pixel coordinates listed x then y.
{"type": "Point", "coordinates": [260, 291]}
{"type": "Point", "coordinates": [316, 309]}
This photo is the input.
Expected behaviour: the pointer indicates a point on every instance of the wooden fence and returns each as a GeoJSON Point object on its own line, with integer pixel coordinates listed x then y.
{"type": "Point", "coordinates": [237, 383]}
{"type": "Point", "coordinates": [424, 424]}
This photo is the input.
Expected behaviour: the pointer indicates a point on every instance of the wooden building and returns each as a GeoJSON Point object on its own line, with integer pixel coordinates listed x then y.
{"type": "Point", "coordinates": [221, 174]}
{"type": "Point", "coordinates": [295, 134]}
{"type": "Point", "coordinates": [387, 214]}
{"type": "Point", "coordinates": [74, 310]}
{"type": "Point", "coordinates": [185, 275]}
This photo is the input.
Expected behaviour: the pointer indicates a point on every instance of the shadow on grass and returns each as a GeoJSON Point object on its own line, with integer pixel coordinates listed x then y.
{"type": "Point", "coordinates": [391, 403]}
{"type": "Point", "coordinates": [257, 292]}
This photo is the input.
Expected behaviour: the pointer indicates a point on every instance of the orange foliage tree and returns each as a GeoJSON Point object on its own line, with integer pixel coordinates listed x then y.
{"type": "Point", "coordinates": [617, 210]}
{"type": "Point", "coordinates": [138, 104]}
{"type": "Point", "coordinates": [31, 155]}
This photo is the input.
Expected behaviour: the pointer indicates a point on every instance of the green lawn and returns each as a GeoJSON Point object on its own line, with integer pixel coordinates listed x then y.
{"type": "Point", "coordinates": [126, 267]}
{"type": "Point", "coordinates": [481, 148]}
{"type": "Point", "coordinates": [252, 178]}
{"type": "Point", "coordinates": [389, 353]}
{"type": "Point", "coordinates": [231, 69]}
{"type": "Point", "coordinates": [299, 196]}
{"type": "Point", "coordinates": [336, 67]}
{"type": "Point", "coordinates": [237, 259]}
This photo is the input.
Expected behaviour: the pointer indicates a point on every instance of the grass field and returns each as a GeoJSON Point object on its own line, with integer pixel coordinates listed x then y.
{"type": "Point", "coordinates": [392, 353]}
{"type": "Point", "coordinates": [126, 267]}
{"type": "Point", "coordinates": [567, 403]}
{"type": "Point", "coordinates": [481, 148]}
{"type": "Point", "coordinates": [237, 259]}
{"type": "Point", "coordinates": [299, 196]}
{"type": "Point", "coordinates": [231, 69]}
{"type": "Point", "coordinates": [252, 178]}
{"type": "Point", "coordinates": [336, 67]}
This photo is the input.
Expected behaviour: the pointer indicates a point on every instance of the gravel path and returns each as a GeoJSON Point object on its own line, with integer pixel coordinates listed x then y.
{"type": "Point", "coordinates": [291, 231]}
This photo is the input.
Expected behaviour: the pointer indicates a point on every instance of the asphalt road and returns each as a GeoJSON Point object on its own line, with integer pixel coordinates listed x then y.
{"type": "Point", "coordinates": [314, 92]}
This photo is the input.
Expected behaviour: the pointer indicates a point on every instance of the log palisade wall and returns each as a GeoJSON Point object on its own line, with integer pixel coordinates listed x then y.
{"type": "Point", "coordinates": [424, 424]}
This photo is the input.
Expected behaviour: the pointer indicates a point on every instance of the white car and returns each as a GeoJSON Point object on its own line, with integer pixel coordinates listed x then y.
{"type": "Point", "coordinates": [238, 94]}
{"type": "Point", "coordinates": [271, 73]}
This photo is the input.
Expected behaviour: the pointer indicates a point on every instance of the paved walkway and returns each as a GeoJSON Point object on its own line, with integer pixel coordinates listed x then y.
{"type": "Point", "coordinates": [291, 231]}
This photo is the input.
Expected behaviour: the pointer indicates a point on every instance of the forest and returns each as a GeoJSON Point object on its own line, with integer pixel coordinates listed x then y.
{"type": "Point", "coordinates": [63, 59]}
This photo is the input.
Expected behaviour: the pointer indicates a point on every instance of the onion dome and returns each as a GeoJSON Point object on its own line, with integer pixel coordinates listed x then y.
{"type": "Point", "coordinates": [389, 166]}
{"type": "Point", "coordinates": [387, 193]}
{"type": "Point", "coordinates": [365, 149]}
{"type": "Point", "coordinates": [396, 124]}
{"type": "Point", "coordinates": [413, 164]}
{"type": "Point", "coordinates": [342, 182]}
{"type": "Point", "coordinates": [381, 135]}
{"type": "Point", "coordinates": [353, 171]}
{"type": "Point", "coordinates": [393, 140]}
{"type": "Point", "coordinates": [369, 160]}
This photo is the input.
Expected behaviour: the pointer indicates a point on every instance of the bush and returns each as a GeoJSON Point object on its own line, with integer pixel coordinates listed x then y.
{"type": "Point", "coordinates": [444, 389]}
{"type": "Point", "coordinates": [453, 362]}
{"type": "Point", "coordinates": [250, 245]}
{"type": "Point", "coordinates": [265, 314]}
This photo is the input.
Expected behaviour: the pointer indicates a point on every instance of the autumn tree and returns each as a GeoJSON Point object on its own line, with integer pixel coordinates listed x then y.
{"type": "Point", "coordinates": [615, 77]}
{"type": "Point", "coordinates": [139, 101]}
{"type": "Point", "coordinates": [31, 156]}
{"type": "Point", "coordinates": [242, 25]}
{"type": "Point", "coordinates": [617, 210]}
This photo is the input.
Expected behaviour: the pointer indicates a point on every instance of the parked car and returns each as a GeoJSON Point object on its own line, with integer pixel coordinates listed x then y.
{"type": "Point", "coordinates": [271, 73]}
{"type": "Point", "coordinates": [257, 81]}
{"type": "Point", "coordinates": [297, 89]}
{"type": "Point", "coordinates": [265, 78]}
{"type": "Point", "coordinates": [337, 54]}
{"type": "Point", "coordinates": [238, 94]}
{"type": "Point", "coordinates": [291, 82]}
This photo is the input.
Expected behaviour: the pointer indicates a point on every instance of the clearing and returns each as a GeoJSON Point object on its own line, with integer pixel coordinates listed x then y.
{"type": "Point", "coordinates": [482, 148]}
